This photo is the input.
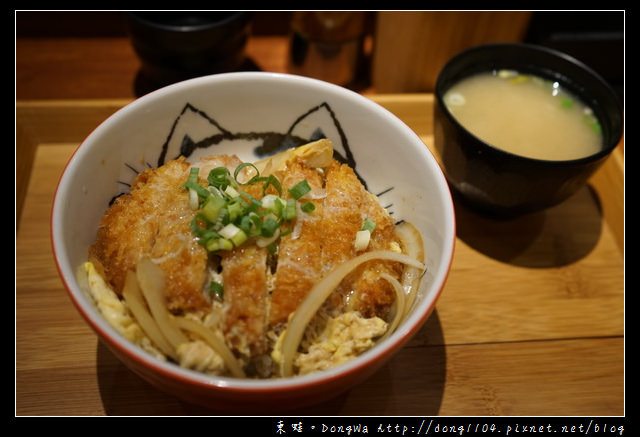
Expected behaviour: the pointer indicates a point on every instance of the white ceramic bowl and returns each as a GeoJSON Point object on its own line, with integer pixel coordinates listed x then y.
{"type": "Point", "coordinates": [247, 111]}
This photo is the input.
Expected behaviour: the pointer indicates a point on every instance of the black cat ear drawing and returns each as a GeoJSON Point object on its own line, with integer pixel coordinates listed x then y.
{"type": "Point", "coordinates": [194, 130]}
{"type": "Point", "coordinates": [195, 133]}
{"type": "Point", "coordinates": [321, 122]}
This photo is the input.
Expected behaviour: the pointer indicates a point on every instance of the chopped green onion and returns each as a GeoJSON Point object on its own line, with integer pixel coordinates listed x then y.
{"type": "Point", "coordinates": [290, 211]}
{"type": "Point", "coordinates": [269, 227]}
{"type": "Point", "coordinates": [363, 236]}
{"type": "Point", "coordinates": [227, 216]}
{"type": "Point", "coordinates": [217, 289]}
{"type": "Point", "coordinates": [368, 225]}
{"type": "Point", "coordinates": [194, 200]}
{"type": "Point", "coordinates": [235, 210]}
{"type": "Point", "coordinates": [223, 218]}
{"type": "Point", "coordinates": [231, 192]}
{"type": "Point", "coordinates": [271, 180]}
{"type": "Point", "coordinates": [308, 207]}
{"type": "Point", "coordinates": [251, 224]}
{"type": "Point", "coordinates": [239, 238]}
{"type": "Point", "coordinates": [212, 207]}
{"type": "Point", "coordinates": [233, 233]}
{"type": "Point", "coordinates": [229, 231]}
{"type": "Point", "coordinates": [300, 189]}
{"type": "Point", "coordinates": [278, 206]}
{"type": "Point", "coordinates": [592, 121]}
{"type": "Point", "coordinates": [268, 201]}
{"type": "Point", "coordinates": [264, 241]}
{"type": "Point", "coordinates": [566, 103]}
{"type": "Point", "coordinates": [192, 184]}
{"type": "Point", "coordinates": [362, 240]}
{"type": "Point", "coordinates": [193, 175]}
{"type": "Point", "coordinates": [240, 167]}
{"type": "Point", "coordinates": [216, 244]}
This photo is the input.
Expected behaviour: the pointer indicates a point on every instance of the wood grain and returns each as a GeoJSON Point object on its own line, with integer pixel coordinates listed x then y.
{"type": "Point", "coordinates": [411, 47]}
{"type": "Point", "coordinates": [531, 320]}
{"type": "Point", "coordinates": [107, 68]}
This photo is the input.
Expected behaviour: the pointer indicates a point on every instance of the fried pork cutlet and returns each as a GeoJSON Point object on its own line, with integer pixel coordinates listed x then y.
{"type": "Point", "coordinates": [245, 294]}
{"type": "Point", "coordinates": [347, 205]}
{"type": "Point", "coordinates": [299, 252]}
{"type": "Point", "coordinates": [153, 220]}
{"type": "Point", "coordinates": [373, 294]}
{"type": "Point", "coordinates": [244, 273]}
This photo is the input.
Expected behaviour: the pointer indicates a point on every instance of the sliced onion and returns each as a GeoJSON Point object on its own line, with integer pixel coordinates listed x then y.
{"type": "Point", "coordinates": [319, 293]}
{"type": "Point", "coordinates": [135, 301]}
{"type": "Point", "coordinates": [413, 246]}
{"type": "Point", "coordinates": [194, 201]}
{"type": "Point", "coordinates": [151, 280]}
{"type": "Point", "coordinates": [399, 304]}
{"type": "Point", "coordinates": [362, 240]}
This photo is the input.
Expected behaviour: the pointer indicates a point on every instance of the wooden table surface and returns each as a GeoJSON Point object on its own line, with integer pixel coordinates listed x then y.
{"type": "Point", "coordinates": [530, 323]}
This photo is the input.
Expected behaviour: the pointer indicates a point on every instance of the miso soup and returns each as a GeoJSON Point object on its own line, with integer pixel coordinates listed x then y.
{"type": "Point", "coordinates": [525, 115]}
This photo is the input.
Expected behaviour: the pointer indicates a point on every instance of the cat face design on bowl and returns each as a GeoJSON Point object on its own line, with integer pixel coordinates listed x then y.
{"type": "Point", "coordinates": [194, 134]}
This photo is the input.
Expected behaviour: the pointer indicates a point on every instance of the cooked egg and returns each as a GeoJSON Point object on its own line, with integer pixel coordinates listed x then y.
{"type": "Point", "coordinates": [197, 355]}
{"type": "Point", "coordinates": [115, 311]}
{"type": "Point", "coordinates": [344, 338]}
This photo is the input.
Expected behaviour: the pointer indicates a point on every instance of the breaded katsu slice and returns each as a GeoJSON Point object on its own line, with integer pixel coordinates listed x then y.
{"type": "Point", "coordinates": [341, 220]}
{"type": "Point", "coordinates": [153, 220]}
{"type": "Point", "coordinates": [244, 271]}
{"type": "Point", "coordinates": [375, 295]}
{"type": "Point", "coordinates": [347, 205]}
{"type": "Point", "coordinates": [300, 252]}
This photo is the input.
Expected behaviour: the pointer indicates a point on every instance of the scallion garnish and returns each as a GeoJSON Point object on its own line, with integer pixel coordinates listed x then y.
{"type": "Point", "coordinates": [361, 241]}
{"type": "Point", "coordinates": [273, 181]}
{"type": "Point", "coordinates": [307, 207]}
{"type": "Point", "coordinates": [228, 217]}
{"type": "Point", "coordinates": [219, 177]}
{"type": "Point", "coordinates": [368, 225]}
{"type": "Point", "coordinates": [240, 167]}
{"type": "Point", "coordinates": [217, 290]}
{"type": "Point", "coordinates": [269, 227]}
{"type": "Point", "coordinates": [193, 185]}
{"type": "Point", "coordinates": [290, 211]}
{"type": "Point", "coordinates": [566, 103]}
{"type": "Point", "coordinates": [300, 189]}
{"type": "Point", "coordinates": [363, 236]}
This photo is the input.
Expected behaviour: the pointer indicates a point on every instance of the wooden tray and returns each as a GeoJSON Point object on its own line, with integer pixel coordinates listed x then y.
{"type": "Point", "coordinates": [531, 320]}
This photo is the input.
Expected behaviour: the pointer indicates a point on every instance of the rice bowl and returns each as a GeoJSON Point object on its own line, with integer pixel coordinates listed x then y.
{"type": "Point", "coordinates": [254, 115]}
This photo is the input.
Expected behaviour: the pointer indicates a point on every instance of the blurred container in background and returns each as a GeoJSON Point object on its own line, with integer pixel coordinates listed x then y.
{"type": "Point", "coordinates": [327, 45]}
{"type": "Point", "coordinates": [179, 45]}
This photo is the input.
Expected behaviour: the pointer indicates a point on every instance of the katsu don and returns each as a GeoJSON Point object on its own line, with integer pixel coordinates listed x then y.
{"type": "Point", "coordinates": [241, 246]}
